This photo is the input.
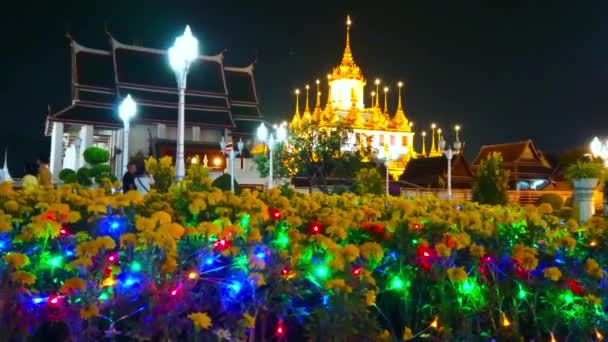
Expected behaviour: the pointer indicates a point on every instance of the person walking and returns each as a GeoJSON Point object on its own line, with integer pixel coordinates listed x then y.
{"type": "Point", "coordinates": [128, 180]}
{"type": "Point", "coordinates": [143, 180]}
{"type": "Point", "coordinates": [45, 177]}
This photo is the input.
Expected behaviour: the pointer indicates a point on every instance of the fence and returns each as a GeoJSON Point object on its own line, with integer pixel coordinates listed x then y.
{"type": "Point", "coordinates": [522, 197]}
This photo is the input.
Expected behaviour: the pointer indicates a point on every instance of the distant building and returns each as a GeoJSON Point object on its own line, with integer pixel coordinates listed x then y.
{"type": "Point", "coordinates": [431, 172]}
{"type": "Point", "coordinates": [220, 101]}
{"type": "Point", "coordinates": [529, 169]}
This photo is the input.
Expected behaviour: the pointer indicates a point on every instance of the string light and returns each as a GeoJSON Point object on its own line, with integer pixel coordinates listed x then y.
{"type": "Point", "coordinates": [279, 331]}
{"type": "Point", "coordinates": [505, 321]}
{"type": "Point", "coordinates": [356, 271]}
{"type": "Point", "coordinates": [192, 275]}
{"type": "Point", "coordinates": [435, 323]}
{"type": "Point", "coordinates": [315, 228]}
{"type": "Point", "coordinates": [598, 335]}
{"type": "Point", "coordinates": [275, 214]}
{"type": "Point", "coordinates": [552, 338]}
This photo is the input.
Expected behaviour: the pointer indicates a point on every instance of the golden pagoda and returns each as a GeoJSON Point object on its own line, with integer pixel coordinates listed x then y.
{"type": "Point", "coordinates": [386, 134]}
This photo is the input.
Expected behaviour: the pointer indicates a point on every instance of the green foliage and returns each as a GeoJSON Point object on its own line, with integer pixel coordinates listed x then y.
{"type": "Point", "coordinates": [555, 200]}
{"type": "Point", "coordinates": [68, 176]}
{"type": "Point", "coordinates": [197, 178]}
{"type": "Point", "coordinates": [96, 155]}
{"type": "Point", "coordinates": [491, 181]}
{"type": "Point", "coordinates": [314, 153]}
{"type": "Point", "coordinates": [369, 181]}
{"type": "Point", "coordinates": [583, 170]}
{"type": "Point", "coordinates": [223, 182]}
{"type": "Point", "coordinates": [163, 172]}
{"type": "Point", "coordinates": [83, 176]}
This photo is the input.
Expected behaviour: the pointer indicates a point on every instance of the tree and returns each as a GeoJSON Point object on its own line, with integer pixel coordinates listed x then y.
{"type": "Point", "coordinates": [369, 181]}
{"type": "Point", "coordinates": [315, 153]}
{"type": "Point", "coordinates": [491, 181]}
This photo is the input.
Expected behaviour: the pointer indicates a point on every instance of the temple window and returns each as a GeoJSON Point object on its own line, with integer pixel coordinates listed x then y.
{"type": "Point", "coordinates": [404, 140]}
{"type": "Point", "coordinates": [381, 140]}
{"type": "Point", "coordinates": [392, 140]}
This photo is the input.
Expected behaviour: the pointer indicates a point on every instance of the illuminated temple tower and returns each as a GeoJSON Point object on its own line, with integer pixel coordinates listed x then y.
{"type": "Point", "coordinates": [372, 124]}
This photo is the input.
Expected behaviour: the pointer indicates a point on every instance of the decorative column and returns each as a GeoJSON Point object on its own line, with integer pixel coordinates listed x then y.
{"type": "Point", "coordinates": [86, 141]}
{"type": "Point", "coordinates": [583, 195]}
{"type": "Point", "coordinates": [56, 157]}
{"type": "Point", "coordinates": [118, 144]}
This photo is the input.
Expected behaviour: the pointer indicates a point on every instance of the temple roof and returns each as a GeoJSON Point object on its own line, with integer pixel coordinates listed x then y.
{"type": "Point", "coordinates": [426, 172]}
{"type": "Point", "coordinates": [521, 158]}
{"type": "Point", "coordinates": [216, 95]}
{"type": "Point", "coordinates": [347, 68]}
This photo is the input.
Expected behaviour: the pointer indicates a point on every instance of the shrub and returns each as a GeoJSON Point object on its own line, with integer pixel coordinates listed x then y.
{"type": "Point", "coordinates": [83, 176]}
{"type": "Point", "coordinates": [68, 176]}
{"type": "Point", "coordinates": [369, 181]}
{"type": "Point", "coordinates": [96, 155]}
{"type": "Point", "coordinates": [555, 200]}
{"type": "Point", "coordinates": [100, 169]}
{"type": "Point", "coordinates": [163, 172]}
{"type": "Point", "coordinates": [583, 170]}
{"type": "Point", "coordinates": [223, 182]}
{"type": "Point", "coordinates": [491, 181]}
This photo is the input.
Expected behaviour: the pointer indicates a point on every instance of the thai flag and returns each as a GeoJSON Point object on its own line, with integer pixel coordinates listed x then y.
{"type": "Point", "coordinates": [228, 146]}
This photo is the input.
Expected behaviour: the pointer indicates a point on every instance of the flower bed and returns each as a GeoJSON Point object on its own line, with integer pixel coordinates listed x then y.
{"type": "Point", "coordinates": [212, 265]}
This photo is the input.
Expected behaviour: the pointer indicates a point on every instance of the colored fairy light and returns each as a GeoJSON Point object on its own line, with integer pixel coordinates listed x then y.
{"type": "Point", "coordinates": [275, 214]}
{"type": "Point", "coordinates": [282, 240]}
{"type": "Point", "coordinates": [192, 275]}
{"type": "Point", "coordinates": [598, 335]}
{"type": "Point", "coordinates": [356, 271]}
{"type": "Point", "coordinates": [55, 261]}
{"type": "Point", "coordinates": [135, 266]}
{"type": "Point", "coordinates": [521, 294]}
{"type": "Point", "coordinates": [593, 243]}
{"type": "Point", "coordinates": [64, 231]}
{"type": "Point", "coordinates": [175, 290]}
{"type": "Point", "coordinates": [209, 260]}
{"type": "Point", "coordinates": [322, 271]}
{"type": "Point", "coordinates": [417, 226]}
{"type": "Point", "coordinates": [552, 338]}
{"type": "Point", "coordinates": [435, 323]}
{"type": "Point", "coordinates": [104, 296]}
{"type": "Point", "coordinates": [285, 271]}
{"type": "Point", "coordinates": [54, 300]}
{"type": "Point", "coordinates": [315, 228]}
{"type": "Point", "coordinates": [234, 288]}
{"type": "Point", "coordinates": [279, 331]}
{"type": "Point", "coordinates": [112, 257]}
{"type": "Point", "coordinates": [505, 321]}
{"type": "Point", "coordinates": [114, 225]}
{"type": "Point", "coordinates": [396, 283]}
{"type": "Point", "coordinates": [69, 253]}
{"type": "Point", "coordinates": [221, 245]}
{"type": "Point", "coordinates": [38, 300]}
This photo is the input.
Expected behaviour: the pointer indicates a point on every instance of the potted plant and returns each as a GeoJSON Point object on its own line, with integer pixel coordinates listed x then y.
{"type": "Point", "coordinates": [585, 177]}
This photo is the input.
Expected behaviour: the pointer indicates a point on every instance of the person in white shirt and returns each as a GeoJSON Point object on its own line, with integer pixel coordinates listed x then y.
{"type": "Point", "coordinates": [143, 180]}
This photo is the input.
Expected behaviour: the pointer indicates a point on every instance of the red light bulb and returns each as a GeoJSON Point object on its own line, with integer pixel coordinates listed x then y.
{"type": "Point", "coordinates": [315, 228]}
{"type": "Point", "coordinates": [221, 244]}
{"type": "Point", "coordinates": [285, 271]}
{"type": "Point", "coordinates": [280, 329]}
{"type": "Point", "coordinates": [275, 214]}
{"type": "Point", "coordinates": [356, 270]}
{"type": "Point", "coordinates": [64, 231]}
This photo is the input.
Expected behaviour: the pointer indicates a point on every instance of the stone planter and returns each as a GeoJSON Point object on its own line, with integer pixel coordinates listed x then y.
{"type": "Point", "coordinates": [583, 196]}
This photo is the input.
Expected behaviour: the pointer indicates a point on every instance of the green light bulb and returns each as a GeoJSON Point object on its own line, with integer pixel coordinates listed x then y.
{"type": "Point", "coordinates": [522, 293]}
{"type": "Point", "coordinates": [322, 271]}
{"type": "Point", "coordinates": [55, 261]}
{"type": "Point", "coordinates": [135, 266]}
{"type": "Point", "coordinates": [396, 283]}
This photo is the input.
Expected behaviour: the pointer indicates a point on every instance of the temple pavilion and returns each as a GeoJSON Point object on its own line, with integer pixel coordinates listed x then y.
{"type": "Point", "coordinates": [221, 100]}
{"type": "Point", "coordinates": [372, 124]}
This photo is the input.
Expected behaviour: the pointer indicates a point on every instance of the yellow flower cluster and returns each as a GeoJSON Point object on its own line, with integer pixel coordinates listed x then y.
{"type": "Point", "coordinates": [457, 274]}
{"type": "Point", "coordinates": [552, 273]}
{"type": "Point", "coordinates": [73, 284]}
{"type": "Point", "coordinates": [17, 260]}
{"type": "Point", "coordinates": [89, 311]}
{"type": "Point", "coordinates": [593, 268]}
{"type": "Point", "coordinates": [200, 319]}
{"type": "Point", "coordinates": [525, 257]}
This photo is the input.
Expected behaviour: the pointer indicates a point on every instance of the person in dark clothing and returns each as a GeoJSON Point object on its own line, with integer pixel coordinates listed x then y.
{"type": "Point", "coordinates": [52, 331]}
{"type": "Point", "coordinates": [128, 180]}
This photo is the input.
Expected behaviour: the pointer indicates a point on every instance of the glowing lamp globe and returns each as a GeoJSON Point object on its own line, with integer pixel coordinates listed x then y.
{"type": "Point", "coordinates": [183, 51]}
{"type": "Point", "coordinates": [262, 132]}
{"type": "Point", "coordinates": [127, 109]}
{"type": "Point", "coordinates": [281, 133]}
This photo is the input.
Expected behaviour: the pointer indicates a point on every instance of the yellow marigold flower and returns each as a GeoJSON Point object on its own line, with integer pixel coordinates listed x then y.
{"type": "Point", "coordinates": [257, 278]}
{"type": "Point", "coordinates": [84, 262]}
{"type": "Point", "coordinates": [5, 223]}
{"type": "Point", "coordinates": [254, 235]}
{"type": "Point", "coordinates": [407, 334]}
{"type": "Point", "coordinates": [169, 265]}
{"type": "Point", "coordinates": [23, 277]}
{"type": "Point", "coordinates": [89, 311]}
{"type": "Point", "coordinates": [73, 217]}
{"type": "Point", "coordinates": [593, 268]}
{"type": "Point", "coordinates": [350, 252]}
{"type": "Point", "coordinates": [442, 249]}
{"type": "Point", "coordinates": [371, 250]}
{"type": "Point", "coordinates": [6, 189]}
{"type": "Point", "coordinates": [568, 242]}
{"type": "Point", "coordinates": [128, 239]}
{"type": "Point", "coordinates": [477, 250]}
{"type": "Point", "coordinates": [144, 224]}
{"type": "Point", "coordinates": [161, 217]}
{"type": "Point", "coordinates": [97, 209]}
{"type": "Point", "coordinates": [545, 208]}
{"type": "Point", "coordinates": [338, 285]}
{"type": "Point", "coordinates": [572, 225]}
{"type": "Point", "coordinates": [17, 260]}
{"type": "Point", "coordinates": [385, 336]}
{"type": "Point", "coordinates": [209, 229]}
{"type": "Point", "coordinates": [73, 284]}
{"type": "Point", "coordinates": [337, 263]}
{"type": "Point", "coordinates": [593, 299]}
{"type": "Point", "coordinates": [525, 256]}
{"type": "Point", "coordinates": [370, 298]}
{"type": "Point", "coordinates": [176, 230]}
{"type": "Point", "coordinates": [457, 274]}
{"type": "Point", "coordinates": [293, 221]}
{"type": "Point", "coordinates": [552, 273]}
{"type": "Point", "coordinates": [200, 319]}
{"type": "Point", "coordinates": [248, 320]}
{"type": "Point", "coordinates": [11, 206]}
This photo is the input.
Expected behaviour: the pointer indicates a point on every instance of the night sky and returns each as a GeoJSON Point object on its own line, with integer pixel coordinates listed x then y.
{"type": "Point", "coordinates": [505, 71]}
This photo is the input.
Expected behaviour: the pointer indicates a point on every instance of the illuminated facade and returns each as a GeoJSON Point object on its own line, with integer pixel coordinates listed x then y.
{"type": "Point", "coordinates": [372, 124]}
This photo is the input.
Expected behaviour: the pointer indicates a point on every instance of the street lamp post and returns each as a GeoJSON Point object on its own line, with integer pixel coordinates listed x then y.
{"type": "Point", "coordinates": [126, 111]}
{"type": "Point", "coordinates": [181, 55]}
{"type": "Point", "coordinates": [599, 149]}
{"type": "Point", "coordinates": [449, 154]}
{"type": "Point", "coordinates": [271, 140]}
{"type": "Point", "coordinates": [389, 154]}
{"type": "Point", "coordinates": [231, 154]}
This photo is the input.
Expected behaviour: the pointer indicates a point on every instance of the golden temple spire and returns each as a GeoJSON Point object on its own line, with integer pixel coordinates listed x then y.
{"type": "Point", "coordinates": [385, 100]}
{"type": "Point", "coordinates": [439, 138]}
{"type": "Point", "coordinates": [377, 83]}
{"type": "Point", "coordinates": [295, 122]}
{"type": "Point", "coordinates": [316, 114]}
{"type": "Point", "coordinates": [307, 117]}
{"type": "Point", "coordinates": [354, 115]}
{"type": "Point", "coordinates": [318, 103]}
{"type": "Point", "coordinates": [424, 143]}
{"type": "Point", "coordinates": [347, 58]}
{"type": "Point", "coordinates": [400, 121]}
{"type": "Point", "coordinates": [373, 94]}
